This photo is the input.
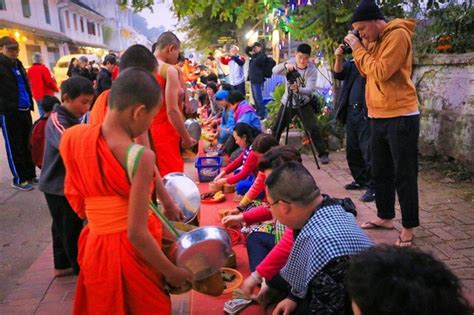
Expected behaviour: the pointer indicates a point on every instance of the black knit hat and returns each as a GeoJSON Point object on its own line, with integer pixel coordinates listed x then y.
{"type": "Point", "coordinates": [366, 11]}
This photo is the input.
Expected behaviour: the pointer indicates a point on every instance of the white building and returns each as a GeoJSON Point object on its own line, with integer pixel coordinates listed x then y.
{"type": "Point", "coordinates": [83, 25]}
{"type": "Point", "coordinates": [35, 25]}
{"type": "Point", "coordinates": [118, 22]}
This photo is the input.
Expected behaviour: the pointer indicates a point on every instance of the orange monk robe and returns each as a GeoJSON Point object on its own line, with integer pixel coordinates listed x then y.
{"type": "Point", "coordinates": [98, 111]}
{"type": "Point", "coordinates": [166, 140]}
{"type": "Point", "coordinates": [114, 278]}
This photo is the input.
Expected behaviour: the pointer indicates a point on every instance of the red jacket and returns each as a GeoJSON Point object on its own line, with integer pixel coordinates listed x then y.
{"type": "Point", "coordinates": [42, 83]}
{"type": "Point", "coordinates": [37, 141]}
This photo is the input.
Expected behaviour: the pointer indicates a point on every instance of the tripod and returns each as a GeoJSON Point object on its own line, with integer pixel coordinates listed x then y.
{"type": "Point", "coordinates": [288, 106]}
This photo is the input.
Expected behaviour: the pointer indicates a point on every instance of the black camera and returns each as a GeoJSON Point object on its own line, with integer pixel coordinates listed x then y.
{"type": "Point", "coordinates": [347, 48]}
{"type": "Point", "coordinates": [292, 77]}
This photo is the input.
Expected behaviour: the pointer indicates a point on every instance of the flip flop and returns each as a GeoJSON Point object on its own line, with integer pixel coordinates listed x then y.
{"type": "Point", "coordinates": [402, 243]}
{"type": "Point", "coordinates": [374, 226]}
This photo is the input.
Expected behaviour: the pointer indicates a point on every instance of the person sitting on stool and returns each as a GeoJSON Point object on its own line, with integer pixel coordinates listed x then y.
{"type": "Point", "coordinates": [352, 111]}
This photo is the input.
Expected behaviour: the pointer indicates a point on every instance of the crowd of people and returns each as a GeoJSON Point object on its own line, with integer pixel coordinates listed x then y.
{"type": "Point", "coordinates": [105, 145]}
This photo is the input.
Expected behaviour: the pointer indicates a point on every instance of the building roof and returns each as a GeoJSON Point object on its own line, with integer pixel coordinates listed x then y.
{"type": "Point", "coordinates": [34, 31]}
{"type": "Point", "coordinates": [79, 3]}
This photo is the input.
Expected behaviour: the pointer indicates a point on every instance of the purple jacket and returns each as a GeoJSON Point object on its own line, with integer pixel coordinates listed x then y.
{"type": "Point", "coordinates": [247, 114]}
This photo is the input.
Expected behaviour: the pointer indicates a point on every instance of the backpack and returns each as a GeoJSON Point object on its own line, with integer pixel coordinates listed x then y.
{"type": "Point", "coordinates": [346, 203]}
{"type": "Point", "coordinates": [268, 67]}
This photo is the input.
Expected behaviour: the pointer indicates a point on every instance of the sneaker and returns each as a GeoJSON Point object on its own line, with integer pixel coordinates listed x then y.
{"type": "Point", "coordinates": [354, 186]}
{"type": "Point", "coordinates": [23, 186]}
{"type": "Point", "coordinates": [34, 181]}
{"type": "Point", "coordinates": [324, 159]}
{"type": "Point", "coordinates": [369, 196]}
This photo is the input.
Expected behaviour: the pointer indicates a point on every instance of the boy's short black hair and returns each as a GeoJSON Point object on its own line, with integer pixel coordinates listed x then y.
{"type": "Point", "coordinates": [134, 86]}
{"type": "Point", "coordinates": [138, 56]}
{"type": "Point", "coordinates": [75, 86]}
{"type": "Point", "coordinates": [49, 102]}
{"type": "Point", "coordinates": [166, 39]}
{"type": "Point", "coordinates": [293, 183]}
{"type": "Point", "coordinates": [304, 49]}
{"type": "Point", "coordinates": [235, 97]}
{"type": "Point", "coordinates": [387, 280]}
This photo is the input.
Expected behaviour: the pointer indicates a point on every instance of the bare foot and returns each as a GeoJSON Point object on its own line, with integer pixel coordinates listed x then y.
{"type": "Point", "coordinates": [63, 272]}
{"type": "Point", "coordinates": [378, 224]}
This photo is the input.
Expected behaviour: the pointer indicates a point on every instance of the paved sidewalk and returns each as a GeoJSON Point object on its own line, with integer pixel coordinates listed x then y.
{"type": "Point", "coordinates": [447, 230]}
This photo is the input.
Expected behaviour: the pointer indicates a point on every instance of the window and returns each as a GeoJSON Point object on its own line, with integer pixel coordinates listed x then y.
{"type": "Point", "coordinates": [53, 56]}
{"type": "Point", "coordinates": [74, 18]}
{"type": "Point", "coordinates": [3, 6]}
{"type": "Point", "coordinates": [98, 29]}
{"type": "Point", "coordinates": [91, 28]}
{"type": "Point", "coordinates": [30, 50]}
{"type": "Point", "coordinates": [47, 16]}
{"type": "Point", "coordinates": [82, 25]}
{"type": "Point", "coordinates": [68, 22]}
{"type": "Point", "coordinates": [25, 6]}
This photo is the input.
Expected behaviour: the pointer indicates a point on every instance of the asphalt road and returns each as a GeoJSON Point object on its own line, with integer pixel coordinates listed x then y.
{"type": "Point", "coordinates": [24, 228]}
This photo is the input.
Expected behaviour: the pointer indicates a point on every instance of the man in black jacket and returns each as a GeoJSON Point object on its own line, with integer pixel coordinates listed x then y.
{"type": "Point", "coordinates": [83, 69]}
{"type": "Point", "coordinates": [16, 102]}
{"type": "Point", "coordinates": [352, 111]}
{"type": "Point", "coordinates": [104, 78]}
{"type": "Point", "coordinates": [256, 76]}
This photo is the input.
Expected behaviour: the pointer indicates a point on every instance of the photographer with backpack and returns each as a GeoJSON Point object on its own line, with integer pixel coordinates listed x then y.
{"type": "Point", "coordinates": [301, 76]}
{"type": "Point", "coordinates": [258, 61]}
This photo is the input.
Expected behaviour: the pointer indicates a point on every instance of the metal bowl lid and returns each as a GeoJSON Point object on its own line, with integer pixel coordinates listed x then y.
{"type": "Point", "coordinates": [185, 194]}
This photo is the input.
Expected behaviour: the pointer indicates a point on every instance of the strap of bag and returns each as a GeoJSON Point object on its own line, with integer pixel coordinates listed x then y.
{"type": "Point", "coordinates": [134, 153]}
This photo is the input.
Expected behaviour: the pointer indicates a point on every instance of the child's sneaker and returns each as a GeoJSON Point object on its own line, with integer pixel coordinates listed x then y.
{"type": "Point", "coordinates": [23, 186]}
{"type": "Point", "coordinates": [34, 181]}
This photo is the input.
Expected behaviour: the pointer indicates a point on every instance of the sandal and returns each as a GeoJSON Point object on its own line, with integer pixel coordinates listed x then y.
{"type": "Point", "coordinates": [374, 226]}
{"type": "Point", "coordinates": [402, 243]}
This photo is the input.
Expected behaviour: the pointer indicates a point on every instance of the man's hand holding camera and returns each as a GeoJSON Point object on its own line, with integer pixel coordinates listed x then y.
{"type": "Point", "coordinates": [353, 40]}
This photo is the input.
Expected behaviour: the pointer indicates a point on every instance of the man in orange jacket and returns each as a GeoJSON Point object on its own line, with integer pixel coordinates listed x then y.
{"type": "Point", "coordinates": [393, 108]}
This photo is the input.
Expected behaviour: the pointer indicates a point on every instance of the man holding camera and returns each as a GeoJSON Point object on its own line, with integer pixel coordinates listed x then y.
{"type": "Point", "coordinates": [352, 112]}
{"type": "Point", "coordinates": [392, 105]}
{"type": "Point", "coordinates": [301, 76]}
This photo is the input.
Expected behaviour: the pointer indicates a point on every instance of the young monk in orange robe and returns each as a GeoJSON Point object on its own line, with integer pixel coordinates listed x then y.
{"type": "Point", "coordinates": [140, 57]}
{"type": "Point", "coordinates": [169, 121]}
{"type": "Point", "coordinates": [98, 111]}
{"type": "Point", "coordinates": [122, 265]}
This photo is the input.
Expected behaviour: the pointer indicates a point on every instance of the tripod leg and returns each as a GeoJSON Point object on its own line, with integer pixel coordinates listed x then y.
{"type": "Point", "coordinates": [308, 135]}
{"type": "Point", "coordinates": [279, 127]}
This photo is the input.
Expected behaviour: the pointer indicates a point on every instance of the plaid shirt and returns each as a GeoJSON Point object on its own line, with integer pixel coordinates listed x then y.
{"type": "Point", "coordinates": [330, 233]}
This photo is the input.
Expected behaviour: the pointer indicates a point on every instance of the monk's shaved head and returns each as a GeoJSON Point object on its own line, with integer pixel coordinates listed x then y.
{"type": "Point", "coordinates": [134, 86]}
{"type": "Point", "coordinates": [138, 56]}
{"type": "Point", "coordinates": [166, 39]}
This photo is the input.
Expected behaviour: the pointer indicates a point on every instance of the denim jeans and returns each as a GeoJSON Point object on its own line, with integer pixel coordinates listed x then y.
{"type": "Point", "coordinates": [257, 89]}
{"type": "Point", "coordinates": [259, 244]}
